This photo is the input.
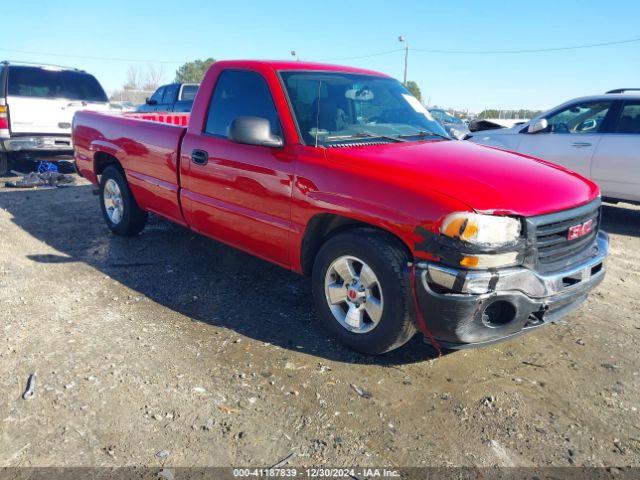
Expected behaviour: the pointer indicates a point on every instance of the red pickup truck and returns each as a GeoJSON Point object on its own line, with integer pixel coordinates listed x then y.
{"type": "Point", "coordinates": [340, 174]}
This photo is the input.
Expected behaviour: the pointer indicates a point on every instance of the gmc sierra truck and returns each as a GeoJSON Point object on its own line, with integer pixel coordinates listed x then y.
{"type": "Point", "coordinates": [341, 174]}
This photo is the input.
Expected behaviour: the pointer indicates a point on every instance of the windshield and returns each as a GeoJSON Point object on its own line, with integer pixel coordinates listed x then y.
{"type": "Point", "coordinates": [336, 107]}
{"type": "Point", "coordinates": [53, 83]}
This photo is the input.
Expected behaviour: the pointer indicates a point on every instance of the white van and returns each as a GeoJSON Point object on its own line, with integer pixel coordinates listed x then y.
{"type": "Point", "coordinates": [37, 104]}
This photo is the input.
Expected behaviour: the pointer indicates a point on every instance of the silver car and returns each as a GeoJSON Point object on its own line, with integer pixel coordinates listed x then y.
{"type": "Point", "coordinates": [597, 136]}
{"type": "Point", "coordinates": [452, 125]}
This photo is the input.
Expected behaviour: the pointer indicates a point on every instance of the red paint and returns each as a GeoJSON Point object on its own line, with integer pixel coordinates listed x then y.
{"type": "Point", "coordinates": [262, 199]}
{"type": "Point", "coordinates": [180, 119]}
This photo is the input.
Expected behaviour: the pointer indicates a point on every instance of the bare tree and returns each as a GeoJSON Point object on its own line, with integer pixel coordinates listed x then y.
{"type": "Point", "coordinates": [154, 78]}
{"type": "Point", "coordinates": [140, 83]}
{"type": "Point", "coordinates": [134, 75]}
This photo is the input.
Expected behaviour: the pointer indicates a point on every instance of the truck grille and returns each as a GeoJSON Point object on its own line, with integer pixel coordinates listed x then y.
{"type": "Point", "coordinates": [550, 237]}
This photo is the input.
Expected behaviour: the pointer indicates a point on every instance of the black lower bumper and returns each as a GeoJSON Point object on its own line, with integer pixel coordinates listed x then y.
{"type": "Point", "coordinates": [516, 300]}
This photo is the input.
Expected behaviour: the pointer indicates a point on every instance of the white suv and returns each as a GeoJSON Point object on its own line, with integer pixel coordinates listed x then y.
{"type": "Point", "coordinates": [597, 136]}
{"type": "Point", "coordinates": [37, 103]}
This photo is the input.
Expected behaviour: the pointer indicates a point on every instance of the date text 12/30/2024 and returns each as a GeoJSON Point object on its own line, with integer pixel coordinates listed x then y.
{"type": "Point", "coordinates": [315, 473]}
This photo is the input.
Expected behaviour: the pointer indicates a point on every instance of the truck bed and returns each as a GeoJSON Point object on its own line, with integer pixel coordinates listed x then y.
{"type": "Point", "coordinates": [146, 145]}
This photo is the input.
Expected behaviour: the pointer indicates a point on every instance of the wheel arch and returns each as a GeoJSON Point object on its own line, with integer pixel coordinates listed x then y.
{"type": "Point", "coordinates": [102, 160]}
{"type": "Point", "coordinates": [323, 226]}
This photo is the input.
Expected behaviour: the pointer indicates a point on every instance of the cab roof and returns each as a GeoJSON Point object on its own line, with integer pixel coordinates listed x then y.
{"type": "Point", "coordinates": [280, 65]}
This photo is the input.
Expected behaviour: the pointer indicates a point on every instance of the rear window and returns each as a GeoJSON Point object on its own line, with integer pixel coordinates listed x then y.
{"type": "Point", "coordinates": [188, 92]}
{"type": "Point", "coordinates": [45, 83]}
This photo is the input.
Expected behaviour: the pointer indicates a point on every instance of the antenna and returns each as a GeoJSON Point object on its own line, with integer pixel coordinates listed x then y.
{"type": "Point", "coordinates": [318, 112]}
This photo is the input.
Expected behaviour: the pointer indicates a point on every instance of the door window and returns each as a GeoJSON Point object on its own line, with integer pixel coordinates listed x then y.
{"type": "Point", "coordinates": [579, 118]}
{"type": "Point", "coordinates": [170, 93]}
{"type": "Point", "coordinates": [240, 93]}
{"type": "Point", "coordinates": [157, 95]}
{"type": "Point", "coordinates": [629, 118]}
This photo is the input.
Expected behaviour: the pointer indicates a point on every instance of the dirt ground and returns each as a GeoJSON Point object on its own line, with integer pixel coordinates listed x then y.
{"type": "Point", "coordinates": [172, 349]}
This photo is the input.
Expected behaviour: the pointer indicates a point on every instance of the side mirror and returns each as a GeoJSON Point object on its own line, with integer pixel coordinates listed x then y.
{"type": "Point", "coordinates": [538, 126]}
{"type": "Point", "coordinates": [253, 131]}
{"type": "Point", "coordinates": [149, 101]}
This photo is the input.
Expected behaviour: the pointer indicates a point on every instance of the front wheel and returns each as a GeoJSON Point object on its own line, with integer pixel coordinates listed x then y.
{"type": "Point", "coordinates": [119, 208]}
{"type": "Point", "coordinates": [362, 291]}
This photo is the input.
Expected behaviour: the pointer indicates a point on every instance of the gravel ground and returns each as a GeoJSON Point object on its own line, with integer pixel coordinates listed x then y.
{"type": "Point", "coordinates": [172, 349]}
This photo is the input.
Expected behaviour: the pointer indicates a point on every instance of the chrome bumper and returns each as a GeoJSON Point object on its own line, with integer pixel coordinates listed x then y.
{"type": "Point", "coordinates": [38, 143]}
{"type": "Point", "coordinates": [527, 281]}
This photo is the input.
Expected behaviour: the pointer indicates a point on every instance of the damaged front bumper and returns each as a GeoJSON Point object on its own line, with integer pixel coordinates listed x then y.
{"type": "Point", "coordinates": [466, 308]}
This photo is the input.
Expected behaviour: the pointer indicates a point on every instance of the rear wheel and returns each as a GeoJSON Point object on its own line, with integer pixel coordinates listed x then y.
{"type": "Point", "coordinates": [361, 289]}
{"type": "Point", "coordinates": [119, 208]}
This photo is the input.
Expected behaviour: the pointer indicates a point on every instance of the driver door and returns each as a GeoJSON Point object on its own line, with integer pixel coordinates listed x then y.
{"type": "Point", "coordinates": [572, 136]}
{"type": "Point", "coordinates": [239, 194]}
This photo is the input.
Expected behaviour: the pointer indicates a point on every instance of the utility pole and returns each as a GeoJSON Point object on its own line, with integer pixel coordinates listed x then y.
{"type": "Point", "coordinates": [401, 39]}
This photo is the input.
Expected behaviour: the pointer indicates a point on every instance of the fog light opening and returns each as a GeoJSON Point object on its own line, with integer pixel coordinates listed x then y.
{"type": "Point", "coordinates": [498, 314]}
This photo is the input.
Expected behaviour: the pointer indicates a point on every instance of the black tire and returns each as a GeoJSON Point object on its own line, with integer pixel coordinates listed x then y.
{"type": "Point", "coordinates": [4, 164]}
{"type": "Point", "coordinates": [388, 259]}
{"type": "Point", "coordinates": [133, 218]}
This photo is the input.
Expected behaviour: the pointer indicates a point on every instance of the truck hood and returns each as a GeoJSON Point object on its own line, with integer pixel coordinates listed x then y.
{"type": "Point", "coordinates": [485, 179]}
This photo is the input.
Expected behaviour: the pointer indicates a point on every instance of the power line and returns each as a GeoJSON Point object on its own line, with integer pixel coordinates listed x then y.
{"type": "Point", "coordinates": [531, 50]}
{"type": "Point", "coordinates": [378, 54]}
{"type": "Point", "coordinates": [354, 57]}
{"type": "Point", "coordinates": [491, 52]}
{"type": "Point", "coordinates": [90, 57]}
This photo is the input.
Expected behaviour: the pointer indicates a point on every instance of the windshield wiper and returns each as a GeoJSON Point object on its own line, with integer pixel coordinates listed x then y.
{"type": "Point", "coordinates": [365, 135]}
{"type": "Point", "coordinates": [424, 133]}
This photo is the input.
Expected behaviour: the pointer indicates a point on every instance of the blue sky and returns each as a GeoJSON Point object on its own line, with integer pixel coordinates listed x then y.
{"type": "Point", "coordinates": [146, 32]}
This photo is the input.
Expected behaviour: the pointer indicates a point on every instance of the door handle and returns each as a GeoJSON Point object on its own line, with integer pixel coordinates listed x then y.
{"type": "Point", "coordinates": [581, 144]}
{"type": "Point", "coordinates": [199, 157]}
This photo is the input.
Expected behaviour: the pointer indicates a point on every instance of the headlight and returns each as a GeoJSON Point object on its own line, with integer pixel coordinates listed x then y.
{"type": "Point", "coordinates": [481, 230]}
{"type": "Point", "coordinates": [486, 232]}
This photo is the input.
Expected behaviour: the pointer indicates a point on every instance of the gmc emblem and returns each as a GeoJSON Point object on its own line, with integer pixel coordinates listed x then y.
{"type": "Point", "coordinates": [580, 230]}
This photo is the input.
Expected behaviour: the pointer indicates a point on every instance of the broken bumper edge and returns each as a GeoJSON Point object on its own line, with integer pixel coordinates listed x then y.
{"type": "Point", "coordinates": [465, 308]}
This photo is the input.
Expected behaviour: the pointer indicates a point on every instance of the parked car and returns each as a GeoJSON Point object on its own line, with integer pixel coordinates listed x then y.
{"type": "Point", "coordinates": [341, 174]}
{"type": "Point", "coordinates": [37, 103]}
{"type": "Point", "coordinates": [596, 136]}
{"type": "Point", "coordinates": [122, 106]}
{"type": "Point", "coordinates": [175, 97]}
{"type": "Point", "coordinates": [454, 126]}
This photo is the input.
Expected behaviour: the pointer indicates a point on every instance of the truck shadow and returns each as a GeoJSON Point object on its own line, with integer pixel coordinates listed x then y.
{"type": "Point", "coordinates": [187, 273]}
